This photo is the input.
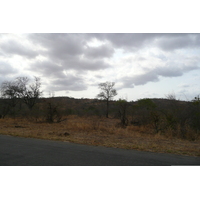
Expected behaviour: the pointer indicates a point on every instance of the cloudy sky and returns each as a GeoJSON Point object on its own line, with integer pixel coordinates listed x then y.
{"type": "Point", "coordinates": [141, 65]}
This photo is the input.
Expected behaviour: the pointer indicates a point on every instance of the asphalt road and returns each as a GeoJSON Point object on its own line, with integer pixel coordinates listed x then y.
{"type": "Point", "coordinates": [16, 151]}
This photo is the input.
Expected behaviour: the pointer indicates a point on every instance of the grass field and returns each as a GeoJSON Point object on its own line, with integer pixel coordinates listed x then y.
{"type": "Point", "coordinates": [101, 132]}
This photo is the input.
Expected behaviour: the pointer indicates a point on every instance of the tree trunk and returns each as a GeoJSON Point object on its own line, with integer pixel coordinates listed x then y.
{"type": "Point", "coordinates": [107, 108]}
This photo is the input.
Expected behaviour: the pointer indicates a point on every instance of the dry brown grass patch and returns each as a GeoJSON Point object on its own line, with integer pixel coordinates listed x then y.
{"type": "Point", "coordinates": [100, 131]}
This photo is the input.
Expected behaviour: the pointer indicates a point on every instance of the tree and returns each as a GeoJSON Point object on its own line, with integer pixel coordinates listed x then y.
{"type": "Point", "coordinates": [10, 96]}
{"type": "Point", "coordinates": [52, 112]}
{"type": "Point", "coordinates": [107, 93]}
{"type": "Point", "coordinates": [29, 93]}
{"type": "Point", "coordinates": [10, 90]}
{"type": "Point", "coordinates": [122, 111]}
{"type": "Point", "coordinates": [148, 114]}
{"type": "Point", "coordinates": [20, 89]}
{"type": "Point", "coordinates": [195, 110]}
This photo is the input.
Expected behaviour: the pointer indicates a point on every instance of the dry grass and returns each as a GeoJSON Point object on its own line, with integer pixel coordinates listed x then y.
{"type": "Point", "coordinates": [102, 132]}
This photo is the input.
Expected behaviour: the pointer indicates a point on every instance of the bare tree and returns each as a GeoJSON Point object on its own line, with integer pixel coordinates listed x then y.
{"type": "Point", "coordinates": [21, 89]}
{"type": "Point", "coordinates": [10, 90]}
{"type": "Point", "coordinates": [107, 93]}
{"type": "Point", "coordinates": [10, 95]}
{"type": "Point", "coordinates": [29, 93]}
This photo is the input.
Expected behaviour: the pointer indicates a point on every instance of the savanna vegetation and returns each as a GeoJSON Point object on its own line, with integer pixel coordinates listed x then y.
{"type": "Point", "coordinates": [160, 125]}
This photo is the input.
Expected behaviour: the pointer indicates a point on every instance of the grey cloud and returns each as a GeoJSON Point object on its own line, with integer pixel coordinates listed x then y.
{"type": "Point", "coordinates": [178, 41]}
{"type": "Point", "coordinates": [174, 71]}
{"type": "Point", "coordinates": [70, 51]}
{"type": "Point", "coordinates": [168, 71]}
{"type": "Point", "coordinates": [152, 75]}
{"type": "Point", "coordinates": [129, 82]}
{"type": "Point", "coordinates": [144, 78]}
{"type": "Point", "coordinates": [165, 41]}
{"type": "Point", "coordinates": [178, 66]}
{"type": "Point", "coordinates": [60, 45]}
{"type": "Point", "coordinates": [47, 68]}
{"type": "Point", "coordinates": [99, 76]}
{"type": "Point", "coordinates": [6, 68]}
{"type": "Point", "coordinates": [82, 64]}
{"type": "Point", "coordinates": [122, 40]}
{"type": "Point", "coordinates": [127, 41]}
{"type": "Point", "coordinates": [13, 47]}
{"type": "Point", "coordinates": [173, 43]}
{"type": "Point", "coordinates": [69, 82]}
{"type": "Point", "coordinates": [99, 52]}
{"type": "Point", "coordinates": [60, 78]}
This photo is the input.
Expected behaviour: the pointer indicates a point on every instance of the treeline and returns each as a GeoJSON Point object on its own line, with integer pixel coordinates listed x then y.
{"type": "Point", "coordinates": [168, 116]}
{"type": "Point", "coordinates": [22, 98]}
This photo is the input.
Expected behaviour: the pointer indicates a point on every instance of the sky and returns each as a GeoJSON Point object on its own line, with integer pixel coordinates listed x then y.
{"type": "Point", "coordinates": [144, 65]}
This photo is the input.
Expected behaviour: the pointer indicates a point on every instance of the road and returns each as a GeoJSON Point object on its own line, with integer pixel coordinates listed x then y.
{"type": "Point", "coordinates": [17, 151]}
